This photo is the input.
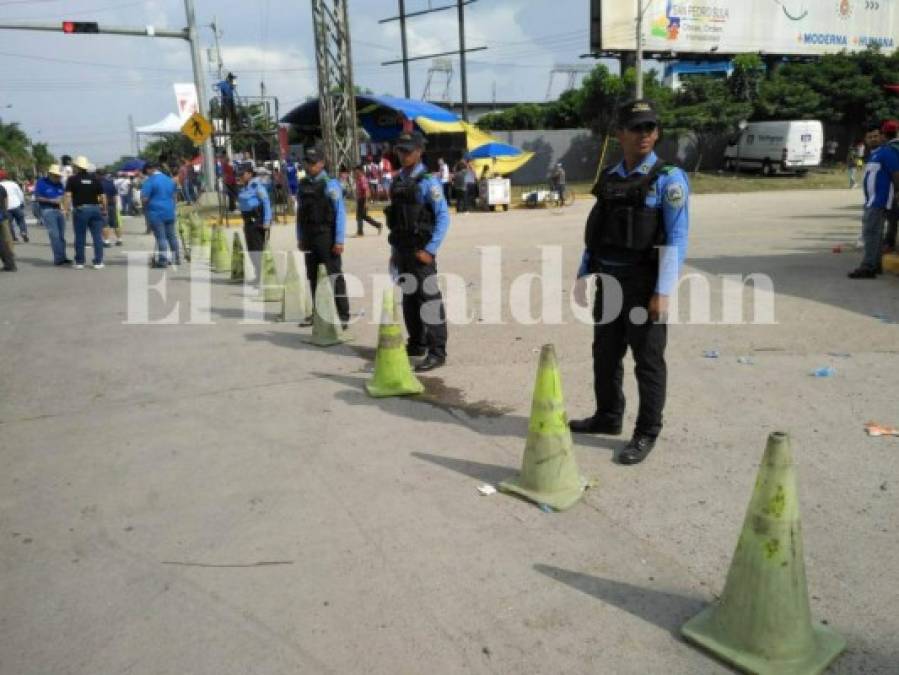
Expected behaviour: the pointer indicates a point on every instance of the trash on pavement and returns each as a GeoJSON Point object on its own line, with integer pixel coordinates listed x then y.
{"type": "Point", "coordinates": [711, 353]}
{"type": "Point", "coordinates": [486, 489]}
{"type": "Point", "coordinates": [875, 429]}
{"type": "Point", "coordinates": [840, 355]}
{"type": "Point", "coordinates": [746, 360]}
{"type": "Point", "coordinates": [826, 371]}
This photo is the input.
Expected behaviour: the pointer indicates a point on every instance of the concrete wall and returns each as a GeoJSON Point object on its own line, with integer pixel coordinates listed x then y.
{"type": "Point", "coordinates": [579, 151]}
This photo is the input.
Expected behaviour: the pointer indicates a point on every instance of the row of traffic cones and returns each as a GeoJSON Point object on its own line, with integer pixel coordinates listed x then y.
{"type": "Point", "coordinates": [761, 623]}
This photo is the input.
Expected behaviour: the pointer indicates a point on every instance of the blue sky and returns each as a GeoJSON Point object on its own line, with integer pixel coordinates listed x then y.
{"type": "Point", "coordinates": [76, 91]}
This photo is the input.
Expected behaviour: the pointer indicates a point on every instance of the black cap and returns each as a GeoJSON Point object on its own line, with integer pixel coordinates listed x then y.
{"type": "Point", "coordinates": [410, 140]}
{"type": "Point", "coordinates": [313, 154]}
{"type": "Point", "coordinates": [634, 113]}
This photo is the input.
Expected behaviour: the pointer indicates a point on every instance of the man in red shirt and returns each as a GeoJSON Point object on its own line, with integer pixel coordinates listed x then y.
{"type": "Point", "coordinates": [229, 180]}
{"type": "Point", "coordinates": [362, 194]}
{"type": "Point", "coordinates": [386, 170]}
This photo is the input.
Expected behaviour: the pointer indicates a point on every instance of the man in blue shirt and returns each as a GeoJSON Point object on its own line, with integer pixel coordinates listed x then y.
{"type": "Point", "coordinates": [293, 181]}
{"type": "Point", "coordinates": [880, 182]}
{"type": "Point", "coordinates": [418, 220]}
{"type": "Point", "coordinates": [321, 227]}
{"type": "Point", "coordinates": [256, 211]}
{"type": "Point", "coordinates": [48, 194]}
{"type": "Point", "coordinates": [158, 197]}
{"type": "Point", "coordinates": [636, 239]}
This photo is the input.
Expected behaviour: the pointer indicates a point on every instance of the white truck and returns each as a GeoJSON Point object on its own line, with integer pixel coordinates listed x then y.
{"type": "Point", "coordinates": [792, 145]}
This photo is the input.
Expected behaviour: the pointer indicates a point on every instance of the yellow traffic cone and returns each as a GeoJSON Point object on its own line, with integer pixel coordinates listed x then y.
{"type": "Point", "coordinates": [762, 623]}
{"type": "Point", "coordinates": [326, 328]}
{"type": "Point", "coordinates": [237, 259]}
{"type": "Point", "coordinates": [393, 373]}
{"type": "Point", "coordinates": [272, 290]}
{"type": "Point", "coordinates": [295, 303]}
{"type": "Point", "coordinates": [549, 473]}
{"type": "Point", "coordinates": [221, 254]}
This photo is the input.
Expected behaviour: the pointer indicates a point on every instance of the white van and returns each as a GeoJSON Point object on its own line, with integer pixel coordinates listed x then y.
{"type": "Point", "coordinates": [794, 145]}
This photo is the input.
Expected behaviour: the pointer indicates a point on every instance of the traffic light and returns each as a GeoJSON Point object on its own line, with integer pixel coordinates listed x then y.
{"type": "Point", "coordinates": [80, 27]}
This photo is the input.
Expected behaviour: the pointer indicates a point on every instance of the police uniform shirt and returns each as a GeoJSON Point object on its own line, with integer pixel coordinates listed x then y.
{"type": "Point", "coordinates": [290, 169]}
{"type": "Point", "coordinates": [251, 196]}
{"type": "Point", "coordinates": [85, 189]}
{"type": "Point", "coordinates": [335, 193]}
{"type": "Point", "coordinates": [431, 192]}
{"type": "Point", "coordinates": [670, 192]}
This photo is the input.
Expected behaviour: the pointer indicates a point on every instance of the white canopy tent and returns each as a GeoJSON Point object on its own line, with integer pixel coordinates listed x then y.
{"type": "Point", "coordinates": [170, 124]}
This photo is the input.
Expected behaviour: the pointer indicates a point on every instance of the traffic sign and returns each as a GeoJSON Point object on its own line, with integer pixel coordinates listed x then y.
{"type": "Point", "coordinates": [197, 128]}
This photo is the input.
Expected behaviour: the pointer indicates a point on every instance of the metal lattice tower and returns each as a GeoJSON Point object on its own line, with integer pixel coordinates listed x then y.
{"type": "Point", "coordinates": [337, 100]}
{"type": "Point", "coordinates": [572, 71]}
{"type": "Point", "coordinates": [439, 67]}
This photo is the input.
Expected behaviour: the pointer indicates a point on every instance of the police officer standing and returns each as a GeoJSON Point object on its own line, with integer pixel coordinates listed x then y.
{"type": "Point", "coordinates": [418, 219]}
{"type": "Point", "coordinates": [636, 240]}
{"type": "Point", "coordinates": [321, 227]}
{"type": "Point", "coordinates": [256, 211]}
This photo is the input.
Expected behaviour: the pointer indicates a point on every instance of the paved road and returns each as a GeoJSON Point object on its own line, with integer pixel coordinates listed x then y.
{"type": "Point", "coordinates": [129, 451]}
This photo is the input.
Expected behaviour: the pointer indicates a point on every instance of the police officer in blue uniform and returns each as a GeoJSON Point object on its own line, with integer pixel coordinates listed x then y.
{"type": "Point", "coordinates": [256, 210]}
{"type": "Point", "coordinates": [636, 240]}
{"type": "Point", "coordinates": [321, 227]}
{"type": "Point", "coordinates": [418, 220]}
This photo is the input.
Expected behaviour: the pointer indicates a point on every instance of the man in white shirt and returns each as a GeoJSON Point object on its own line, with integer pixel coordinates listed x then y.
{"type": "Point", "coordinates": [444, 171]}
{"type": "Point", "coordinates": [15, 206]}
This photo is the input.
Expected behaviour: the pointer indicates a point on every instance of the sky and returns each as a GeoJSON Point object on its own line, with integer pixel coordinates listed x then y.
{"type": "Point", "coordinates": [76, 92]}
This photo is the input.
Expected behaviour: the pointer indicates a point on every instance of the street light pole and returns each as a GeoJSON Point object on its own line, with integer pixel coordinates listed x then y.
{"type": "Point", "coordinates": [200, 83]}
{"type": "Point", "coordinates": [638, 66]}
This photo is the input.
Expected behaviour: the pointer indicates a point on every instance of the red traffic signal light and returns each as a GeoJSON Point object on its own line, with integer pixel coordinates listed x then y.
{"type": "Point", "coordinates": [80, 27]}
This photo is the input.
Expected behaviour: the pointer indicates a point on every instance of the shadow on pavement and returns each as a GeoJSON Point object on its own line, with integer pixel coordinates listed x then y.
{"type": "Point", "coordinates": [486, 473]}
{"type": "Point", "coordinates": [666, 610]}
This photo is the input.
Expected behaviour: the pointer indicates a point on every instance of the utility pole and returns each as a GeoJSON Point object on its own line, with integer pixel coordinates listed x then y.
{"type": "Point", "coordinates": [462, 51]}
{"type": "Point", "coordinates": [200, 83]}
{"type": "Point", "coordinates": [131, 134]}
{"type": "Point", "coordinates": [638, 66]}
{"type": "Point", "coordinates": [406, 84]}
{"type": "Point", "coordinates": [463, 74]}
{"type": "Point", "coordinates": [336, 94]}
{"type": "Point", "coordinates": [218, 50]}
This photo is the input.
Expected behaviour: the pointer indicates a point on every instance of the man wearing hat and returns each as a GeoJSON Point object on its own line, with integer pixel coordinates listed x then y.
{"type": "Point", "coordinates": [48, 193]}
{"type": "Point", "coordinates": [636, 241]}
{"type": "Point", "coordinates": [256, 211]}
{"type": "Point", "coordinates": [418, 220]}
{"type": "Point", "coordinates": [84, 193]}
{"type": "Point", "coordinates": [321, 227]}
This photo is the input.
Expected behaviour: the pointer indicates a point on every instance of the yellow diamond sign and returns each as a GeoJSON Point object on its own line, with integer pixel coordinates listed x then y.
{"type": "Point", "coordinates": [197, 128]}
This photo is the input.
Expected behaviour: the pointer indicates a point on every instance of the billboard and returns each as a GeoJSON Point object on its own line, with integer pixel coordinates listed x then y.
{"type": "Point", "coordinates": [736, 26]}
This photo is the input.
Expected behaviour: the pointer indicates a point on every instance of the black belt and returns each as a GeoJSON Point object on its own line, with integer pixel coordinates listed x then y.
{"type": "Point", "coordinates": [49, 206]}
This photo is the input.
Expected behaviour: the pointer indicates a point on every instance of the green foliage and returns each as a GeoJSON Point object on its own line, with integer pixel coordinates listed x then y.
{"type": "Point", "coordinates": [169, 148]}
{"type": "Point", "coordinates": [704, 108]}
{"type": "Point", "coordinates": [16, 151]}
{"type": "Point", "coordinates": [42, 156]}
{"type": "Point", "coordinates": [749, 71]}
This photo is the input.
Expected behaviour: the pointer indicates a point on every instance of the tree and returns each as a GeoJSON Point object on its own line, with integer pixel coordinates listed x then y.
{"type": "Point", "coordinates": [521, 116]}
{"type": "Point", "coordinates": [15, 156]}
{"type": "Point", "coordinates": [705, 108]}
{"type": "Point", "coordinates": [749, 71]}
{"type": "Point", "coordinates": [42, 157]}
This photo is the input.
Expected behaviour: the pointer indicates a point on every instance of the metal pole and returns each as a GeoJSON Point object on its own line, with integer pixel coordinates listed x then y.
{"type": "Point", "coordinates": [638, 68]}
{"type": "Point", "coordinates": [406, 85]}
{"type": "Point", "coordinates": [200, 83]}
{"type": "Point", "coordinates": [461, 6]}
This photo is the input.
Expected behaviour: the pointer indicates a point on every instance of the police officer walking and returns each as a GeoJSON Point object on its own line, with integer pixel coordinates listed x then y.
{"type": "Point", "coordinates": [256, 211]}
{"type": "Point", "coordinates": [321, 227]}
{"type": "Point", "coordinates": [636, 240]}
{"type": "Point", "coordinates": [418, 220]}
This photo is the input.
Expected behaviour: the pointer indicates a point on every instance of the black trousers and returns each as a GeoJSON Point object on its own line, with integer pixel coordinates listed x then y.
{"type": "Point", "coordinates": [318, 252]}
{"type": "Point", "coordinates": [362, 215]}
{"type": "Point", "coordinates": [646, 339]}
{"type": "Point", "coordinates": [7, 254]}
{"type": "Point", "coordinates": [423, 309]}
{"type": "Point", "coordinates": [892, 222]}
{"type": "Point", "coordinates": [255, 236]}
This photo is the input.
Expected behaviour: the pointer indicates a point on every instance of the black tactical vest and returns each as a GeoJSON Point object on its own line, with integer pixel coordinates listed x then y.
{"type": "Point", "coordinates": [316, 210]}
{"type": "Point", "coordinates": [409, 219]}
{"type": "Point", "coordinates": [621, 227]}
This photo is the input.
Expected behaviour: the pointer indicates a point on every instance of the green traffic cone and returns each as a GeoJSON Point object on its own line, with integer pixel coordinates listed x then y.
{"type": "Point", "coordinates": [326, 328]}
{"type": "Point", "coordinates": [184, 234]}
{"type": "Point", "coordinates": [393, 374]}
{"type": "Point", "coordinates": [295, 304]}
{"type": "Point", "coordinates": [221, 254]}
{"type": "Point", "coordinates": [762, 622]}
{"type": "Point", "coordinates": [272, 290]}
{"type": "Point", "coordinates": [198, 240]}
{"type": "Point", "coordinates": [237, 259]}
{"type": "Point", "coordinates": [549, 473]}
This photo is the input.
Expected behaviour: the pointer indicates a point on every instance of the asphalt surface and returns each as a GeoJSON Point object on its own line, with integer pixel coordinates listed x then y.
{"type": "Point", "coordinates": [150, 470]}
